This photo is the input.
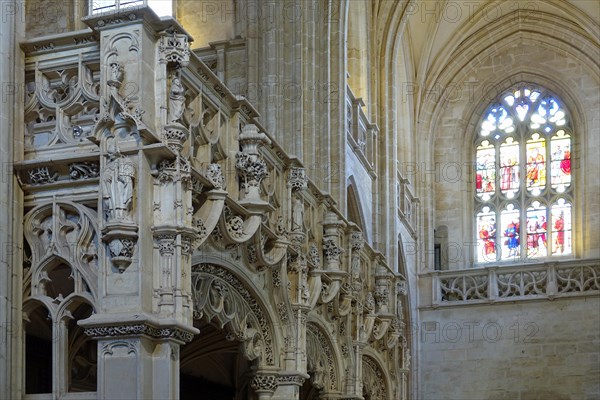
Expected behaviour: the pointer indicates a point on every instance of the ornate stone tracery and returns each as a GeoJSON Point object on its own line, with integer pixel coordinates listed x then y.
{"type": "Point", "coordinates": [230, 303]}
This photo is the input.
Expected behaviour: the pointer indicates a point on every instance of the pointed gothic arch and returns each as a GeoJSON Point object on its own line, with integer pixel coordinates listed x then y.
{"type": "Point", "coordinates": [355, 209]}
{"type": "Point", "coordinates": [323, 362]}
{"type": "Point", "coordinates": [376, 382]}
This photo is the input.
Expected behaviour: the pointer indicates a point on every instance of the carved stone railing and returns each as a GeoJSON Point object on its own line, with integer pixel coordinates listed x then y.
{"type": "Point", "coordinates": [499, 284]}
{"type": "Point", "coordinates": [360, 132]}
{"type": "Point", "coordinates": [408, 205]}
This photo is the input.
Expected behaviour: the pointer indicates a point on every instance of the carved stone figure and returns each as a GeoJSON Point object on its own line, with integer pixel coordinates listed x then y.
{"type": "Point", "coordinates": [297, 214]}
{"type": "Point", "coordinates": [117, 184]}
{"type": "Point", "coordinates": [116, 72]}
{"type": "Point", "coordinates": [176, 101]}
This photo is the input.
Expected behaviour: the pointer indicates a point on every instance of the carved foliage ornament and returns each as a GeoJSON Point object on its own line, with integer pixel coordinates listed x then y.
{"type": "Point", "coordinates": [331, 250]}
{"type": "Point", "coordinates": [264, 383]}
{"type": "Point", "coordinates": [139, 329]}
{"type": "Point", "coordinates": [215, 176]}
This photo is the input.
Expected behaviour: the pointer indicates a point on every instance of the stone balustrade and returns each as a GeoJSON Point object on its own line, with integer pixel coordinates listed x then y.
{"type": "Point", "coordinates": [492, 284]}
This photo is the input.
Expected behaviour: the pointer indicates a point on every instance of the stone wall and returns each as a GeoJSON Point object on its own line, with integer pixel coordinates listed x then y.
{"type": "Point", "coordinates": [527, 350]}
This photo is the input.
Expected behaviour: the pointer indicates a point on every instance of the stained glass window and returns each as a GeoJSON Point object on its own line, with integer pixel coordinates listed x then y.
{"type": "Point", "coordinates": [523, 183]}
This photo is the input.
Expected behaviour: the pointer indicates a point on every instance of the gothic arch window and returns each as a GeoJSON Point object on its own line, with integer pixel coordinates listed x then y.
{"type": "Point", "coordinates": [523, 182]}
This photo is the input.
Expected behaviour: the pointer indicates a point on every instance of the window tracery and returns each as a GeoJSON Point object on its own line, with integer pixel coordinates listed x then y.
{"type": "Point", "coordinates": [523, 181]}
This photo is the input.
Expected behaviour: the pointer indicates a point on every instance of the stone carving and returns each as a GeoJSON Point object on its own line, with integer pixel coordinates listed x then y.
{"type": "Point", "coordinates": [166, 244]}
{"type": "Point", "coordinates": [121, 251]}
{"type": "Point", "coordinates": [298, 215]}
{"type": "Point", "coordinates": [331, 250]}
{"type": "Point", "coordinates": [578, 279]}
{"type": "Point", "coordinates": [176, 100]}
{"type": "Point", "coordinates": [174, 48]}
{"type": "Point", "coordinates": [116, 75]}
{"type": "Point", "coordinates": [199, 225]}
{"type": "Point", "coordinates": [215, 176]}
{"type": "Point", "coordinates": [464, 287]}
{"type": "Point", "coordinates": [370, 303]}
{"type": "Point", "coordinates": [373, 382]}
{"type": "Point", "coordinates": [84, 170]}
{"type": "Point", "coordinates": [252, 171]}
{"type": "Point", "coordinates": [297, 179]}
{"type": "Point", "coordinates": [264, 383]}
{"type": "Point", "coordinates": [139, 329]}
{"type": "Point", "coordinates": [66, 230]}
{"type": "Point", "coordinates": [291, 379]}
{"type": "Point", "coordinates": [357, 244]}
{"type": "Point", "coordinates": [42, 175]}
{"type": "Point", "coordinates": [401, 287]}
{"type": "Point", "coordinates": [244, 317]}
{"type": "Point", "coordinates": [313, 255]}
{"type": "Point", "coordinates": [320, 359]}
{"type": "Point", "coordinates": [170, 171]}
{"type": "Point", "coordinates": [117, 184]}
{"type": "Point", "coordinates": [251, 167]}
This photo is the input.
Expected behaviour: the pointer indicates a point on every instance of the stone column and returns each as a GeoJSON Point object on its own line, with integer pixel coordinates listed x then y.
{"type": "Point", "coordinates": [144, 311]}
{"type": "Point", "coordinates": [11, 119]}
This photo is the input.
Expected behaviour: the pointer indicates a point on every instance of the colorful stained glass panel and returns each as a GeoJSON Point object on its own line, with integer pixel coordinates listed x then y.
{"type": "Point", "coordinates": [561, 228]}
{"type": "Point", "coordinates": [537, 231]}
{"type": "Point", "coordinates": [486, 235]}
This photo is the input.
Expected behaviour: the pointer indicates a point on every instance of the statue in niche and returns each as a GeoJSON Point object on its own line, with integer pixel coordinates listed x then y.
{"type": "Point", "coordinates": [355, 268]}
{"type": "Point", "coordinates": [117, 183]}
{"type": "Point", "coordinates": [297, 214]}
{"type": "Point", "coordinates": [176, 100]}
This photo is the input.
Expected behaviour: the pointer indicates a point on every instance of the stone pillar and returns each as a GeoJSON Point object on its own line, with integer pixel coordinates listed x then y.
{"type": "Point", "coordinates": [11, 119]}
{"type": "Point", "coordinates": [144, 312]}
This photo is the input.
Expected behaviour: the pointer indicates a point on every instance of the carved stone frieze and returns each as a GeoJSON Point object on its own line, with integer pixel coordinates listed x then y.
{"type": "Point", "coordinates": [264, 383]}
{"type": "Point", "coordinates": [84, 170]}
{"type": "Point", "coordinates": [139, 329]}
{"type": "Point", "coordinates": [42, 175]}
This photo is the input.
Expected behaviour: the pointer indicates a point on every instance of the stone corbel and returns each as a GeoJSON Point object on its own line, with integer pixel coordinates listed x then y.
{"type": "Point", "coordinates": [237, 230]}
{"type": "Point", "coordinates": [381, 327]}
{"type": "Point", "coordinates": [207, 217]}
{"type": "Point", "coordinates": [367, 329]}
{"type": "Point", "coordinates": [331, 285]}
{"type": "Point", "coordinates": [394, 334]}
{"type": "Point", "coordinates": [342, 304]}
{"type": "Point", "coordinates": [272, 257]}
